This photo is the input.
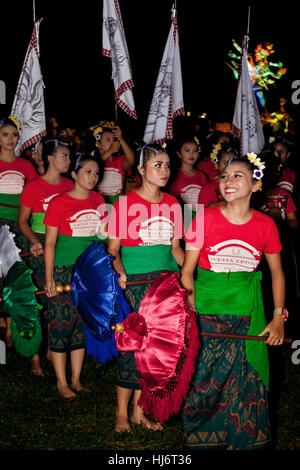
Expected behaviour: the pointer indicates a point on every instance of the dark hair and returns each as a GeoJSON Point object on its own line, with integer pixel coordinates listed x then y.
{"type": "Point", "coordinates": [243, 160]}
{"type": "Point", "coordinates": [49, 148]}
{"type": "Point", "coordinates": [226, 148]}
{"type": "Point", "coordinates": [148, 149]}
{"type": "Point", "coordinates": [8, 122]}
{"type": "Point", "coordinates": [81, 160]}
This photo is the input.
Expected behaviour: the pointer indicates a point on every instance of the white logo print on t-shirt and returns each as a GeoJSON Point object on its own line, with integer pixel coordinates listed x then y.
{"type": "Point", "coordinates": [233, 255]}
{"type": "Point", "coordinates": [156, 231]}
{"type": "Point", "coordinates": [85, 223]}
{"type": "Point", "coordinates": [11, 182]}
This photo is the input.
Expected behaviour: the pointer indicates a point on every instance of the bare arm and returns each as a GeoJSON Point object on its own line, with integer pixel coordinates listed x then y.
{"type": "Point", "coordinates": [187, 272]}
{"type": "Point", "coordinates": [292, 220]}
{"type": "Point", "coordinates": [114, 250]}
{"type": "Point", "coordinates": [276, 327]}
{"type": "Point", "coordinates": [177, 251]}
{"type": "Point", "coordinates": [50, 243]}
{"type": "Point", "coordinates": [36, 248]}
{"type": "Point", "coordinates": [128, 161]}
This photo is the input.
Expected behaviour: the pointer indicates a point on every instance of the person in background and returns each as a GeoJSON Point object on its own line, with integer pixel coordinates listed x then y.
{"type": "Point", "coordinates": [210, 195]}
{"type": "Point", "coordinates": [189, 181]}
{"type": "Point", "coordinates": [117, 156]}
{"type": "Point", "coordinates": [14, 172]}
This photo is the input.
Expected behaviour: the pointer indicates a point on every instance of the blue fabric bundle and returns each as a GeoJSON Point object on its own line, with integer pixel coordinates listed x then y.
{"type": "Point", "coordinates": [99, 299]}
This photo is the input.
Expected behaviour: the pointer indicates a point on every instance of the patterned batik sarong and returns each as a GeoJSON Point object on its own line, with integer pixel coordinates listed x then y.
{"type": "Point", "coordinates": [66, 331]}
{"type": "Point", "coordinates": [227, 404]}
{"type": "Point", "coordinates": [127, 374]}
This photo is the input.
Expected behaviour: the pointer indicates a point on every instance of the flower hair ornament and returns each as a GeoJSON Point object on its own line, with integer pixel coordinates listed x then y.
{"type": "Point", "coordinates": [214, 154]}
{"type": "Point", "coordinates": [260, 166]}
{"type": "Point", "coordinates": [196, 140]}
{"type": "Point", "coordinates": [14, 119]}
{"type": "Point", "coordinates": [97, 132]}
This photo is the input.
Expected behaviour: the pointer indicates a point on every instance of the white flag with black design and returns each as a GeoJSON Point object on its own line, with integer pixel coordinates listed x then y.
{"type": "Point", "coordinates": [246, 124]}
{"type": "Point", "coordinates": [167, 101]}
{"type": "Point", "coordinates": [114, 46]}
{"type": "Point", "coordinates": [28, 106]}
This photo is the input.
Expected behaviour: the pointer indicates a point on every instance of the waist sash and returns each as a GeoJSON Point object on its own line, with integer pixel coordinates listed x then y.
{"type": "Point", "coordinates": [145, 259]}
{"type": "Point", "coordinates": [37, 222]}
{"type": "Point", "coordinates": [68, 248]}
{"type": "Point", "coordinates": [9, 212]}
{"type": "Point", "coordinates": [236, 293]}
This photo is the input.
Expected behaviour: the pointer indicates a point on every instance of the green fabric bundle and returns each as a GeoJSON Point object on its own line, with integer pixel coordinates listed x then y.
{"type": "Point", "coordinates": [21, 306]}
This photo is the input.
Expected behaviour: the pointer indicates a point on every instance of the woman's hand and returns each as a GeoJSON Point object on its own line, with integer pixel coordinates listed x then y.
{"type": "Point", "coordinates": [36, 249]}
{"type": "Point", "coordinates": [50, 288]}
{"type": "Point", "coordinates": [122, 280]}
{"type": "Point", "coordinates": [276, 331]}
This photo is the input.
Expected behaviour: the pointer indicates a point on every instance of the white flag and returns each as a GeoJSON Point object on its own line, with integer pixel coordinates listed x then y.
{"type": "Point", "coordinates": [28, 106]}
{"type": "Point", "coordinates": [167, 101]}
{"type": "Point", "coordinates": [246, 124]}
{"type": "Point", "coordinates": [114, 46]}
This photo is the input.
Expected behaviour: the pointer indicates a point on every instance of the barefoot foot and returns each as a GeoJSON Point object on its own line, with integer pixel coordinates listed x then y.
{"type": "Point", "coordinates": [147, 423]}
{"type": "Point", "coordinates": [35, 367]}
{"type": "Point", "coordinates": [78, 387]}
{"type": "Point", "coordinates": [65, 392]}
{"type": "Point", "coordinates": [122, 424]}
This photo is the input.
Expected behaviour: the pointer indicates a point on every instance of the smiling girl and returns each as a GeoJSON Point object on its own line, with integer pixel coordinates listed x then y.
{"type": "Point", "coordinates": [227, 406]}
{"type": "Point", "coordinates": [73, 221]}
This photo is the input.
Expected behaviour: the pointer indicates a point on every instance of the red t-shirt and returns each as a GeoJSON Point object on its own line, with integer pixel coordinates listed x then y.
{"type": "Point", "coordinates": [210, 193]}
{"type": "Point", "coordinates": [138, 222]}
{"type": "Point", "coordinates": [287, 180]}
{"type": "Point", "coordinates": [113, 178]}
{"type": "Point", "coordinates": [77, 217]}
{"type": "Point", "coordinates": [208, 167]}
{"type": "Point", "coordinates": [38, 193]}
{"type": "Point", "coordinates": [229, 247]}
{"type": "Point", "coordinates": [187, 188]}
{"type": "Point", "coordinates": [14, 174]}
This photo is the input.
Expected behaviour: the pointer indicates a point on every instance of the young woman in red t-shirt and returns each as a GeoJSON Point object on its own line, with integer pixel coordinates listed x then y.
{"type": "Point", "coordinates": [210, 194]}
{"type": "Point", "coordinates": [227, 405]}
{"type": "Point", "coordinates": [189, 181]}
{"type": "Point", "coordinates": [73, 221]}
{"type": "Point", "coordinates": [144, 231]}
{"type": "Point", "coordinates": [14, 172]}
{"type": "Point", "coordinates": [34, 202]}
{"type": "Point", "coordinates": [109, 140]}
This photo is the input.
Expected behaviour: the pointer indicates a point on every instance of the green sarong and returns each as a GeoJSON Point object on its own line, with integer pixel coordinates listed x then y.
{"type": "Point", "coordinates": [236, 293]}
{"type": "Point", "coordinates": [10, 213]}
{"type": "Point", "coordinates": [145, 259]}
{"type": "Point", "coordinates": [37, 222]}
{"type": "Point", "coordinates": [68, 248]}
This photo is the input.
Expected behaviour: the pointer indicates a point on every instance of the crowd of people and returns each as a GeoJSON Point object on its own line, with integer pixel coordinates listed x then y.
{"type": "Point", "coordinates": [56, 197]}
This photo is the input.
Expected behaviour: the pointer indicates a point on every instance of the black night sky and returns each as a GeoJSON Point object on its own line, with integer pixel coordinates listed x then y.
{"type": "Point", "coordinates": [79, 90]}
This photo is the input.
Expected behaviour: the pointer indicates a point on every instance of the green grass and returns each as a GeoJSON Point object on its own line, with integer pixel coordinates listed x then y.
{"type": "Point", "coordinates": [34, 417]}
